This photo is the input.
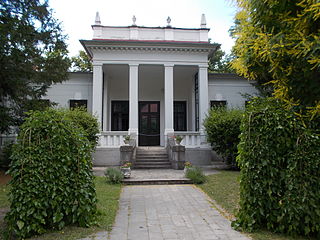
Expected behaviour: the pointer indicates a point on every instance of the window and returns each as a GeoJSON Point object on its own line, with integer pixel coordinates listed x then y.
{"type": "Point", "coordinates": [119, 115]}
{"type": "Point", "coordinates": [78, 103]}
{"type": "Point", "coordinates": [215, 103]}
{"type": "Point", "coordinates": [180, 116]}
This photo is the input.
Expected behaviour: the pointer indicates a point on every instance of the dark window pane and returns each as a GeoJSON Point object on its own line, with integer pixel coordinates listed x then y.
{"type": "Point", "coordinates": [119, 115]}
{"type": "Point", "coordinates": [154, 107]}
{"type": "Point", "coordinates": [215, 104]}
{"type": "Point", "coordinates": [180, 116]}
{"type": "Point", "coordinates": [145, 108]}
{"type": "Point", "coordinates": [78, 103]}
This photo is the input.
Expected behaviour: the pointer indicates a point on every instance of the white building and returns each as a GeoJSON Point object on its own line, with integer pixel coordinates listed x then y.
{"type": "Point", "coordinates": [150, 83]}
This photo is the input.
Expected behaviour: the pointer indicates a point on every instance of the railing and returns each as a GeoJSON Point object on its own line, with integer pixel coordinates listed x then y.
{"type": "Point", "coordinates": [191, 139]}
{"type": "Point", "coordinates": [112, 138]}
{"type": "Point", "coordinates": [7, 138]}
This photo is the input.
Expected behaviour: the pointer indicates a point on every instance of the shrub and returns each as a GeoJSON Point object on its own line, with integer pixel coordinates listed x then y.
{"type": "Point", "coordinates": [89, 123]}
{"type": "Point", "coordinates": [5, 155]}
{"type": "Point", "coordinates": [52, 182]}
{"type": "Point", "coordinates": [223, 129]}
{"type": "Point", "coordinates": [280, 165]}
{"type": "Point", "coordinates": [113, 175]}
{"type": "Point", "coordinates": [195, 174]}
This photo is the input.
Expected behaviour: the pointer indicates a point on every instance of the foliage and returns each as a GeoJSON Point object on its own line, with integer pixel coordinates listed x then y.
{"type": "Point", "coordinates": [126, 165]}
{"type": "Point", "coordinates": [52, 182]}
{"type": "Point", "coordinates": [108, 203]}
{"type": "Point", "coordinates": [113, 175]}
{"type": "Point", "coordinates": [219, 62]}
{"type": "Point", "coordinates": [89, 124]}
{"type": "Point", "coordinates": [223, 129]}
{"type": "Point", "coordinates": [178, 138]}
{"type": "Point", "coordinates": [196, 175]}
{"type": "Point", "coordinates": [33, 56]}
{"type": "Point", "coordinates": [82, 62]}
{"type": "Point", "coordinates": [188, 164]}
{"type": "Point", "coordinates": [224, 188]}
{"type": "Point", "coordinates": [5, 154]}
{"type": "Point", "coordinates": [280, 165]}
{"type": "Point", "coordinates": [277, 42]}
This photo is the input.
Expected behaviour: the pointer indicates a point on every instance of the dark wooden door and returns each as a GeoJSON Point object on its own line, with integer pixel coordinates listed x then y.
{"type": "Point", "coordinates": [149, 123]}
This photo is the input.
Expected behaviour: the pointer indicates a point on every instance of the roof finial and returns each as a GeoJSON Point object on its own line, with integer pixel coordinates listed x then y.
{"type": "Point", "coordinates": [168, 21]}
{"type": "Point", "coordinates": [203, 21]}
{"type": "Point", "coordinates": [134, 19]}
{"type": "Point", "coordinates": [97, 20]}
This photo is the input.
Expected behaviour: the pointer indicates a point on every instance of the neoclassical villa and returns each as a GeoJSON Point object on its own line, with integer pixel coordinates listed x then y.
{"type": "Point", "coordinates": [151, 83]}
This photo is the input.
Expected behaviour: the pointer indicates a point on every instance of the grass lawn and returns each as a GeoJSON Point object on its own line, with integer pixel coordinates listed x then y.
{"type": "Point", "coordinates": [108, 198]}
{"type": "Point", "coordinates": [224, 189]}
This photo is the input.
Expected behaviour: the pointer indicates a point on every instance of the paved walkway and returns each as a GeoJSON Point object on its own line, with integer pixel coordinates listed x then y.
{"type": "Point", "coordinates": [158, 212]}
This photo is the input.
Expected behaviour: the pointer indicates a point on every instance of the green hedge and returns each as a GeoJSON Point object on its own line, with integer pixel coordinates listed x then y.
{"type": "Point", "coordinates": [223, 129]}
{"type": "Point", "coordinates": [279, 159]}
{"type": "Point", "coordinates": [89, 123]}
{"type": "Point", "coordinates": [52, 181]}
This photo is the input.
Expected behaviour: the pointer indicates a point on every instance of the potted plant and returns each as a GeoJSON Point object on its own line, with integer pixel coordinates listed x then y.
{"type": "Point", "coordinates": [126, 139]}
{"type": "Point", "coordinates": [126, 169]}
{"type": "Point", "coordinates": [187, 165]}
{"type": "Point", "coordinates": [178, 139]}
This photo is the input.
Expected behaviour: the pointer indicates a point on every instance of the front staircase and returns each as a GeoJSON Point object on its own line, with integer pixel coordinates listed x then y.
{"type": "Point", "coordinates": [152, 158]}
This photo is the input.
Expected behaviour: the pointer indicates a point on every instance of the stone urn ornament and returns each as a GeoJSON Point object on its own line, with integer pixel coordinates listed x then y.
{"type": "Point", "coordinates": [178, 140]}
{"type": "Point", "coordinates": [187, 165]}
{"type": "Point", "coordinates": [127, 139]}
{"type": "Point", "coordinates": [126, 169]}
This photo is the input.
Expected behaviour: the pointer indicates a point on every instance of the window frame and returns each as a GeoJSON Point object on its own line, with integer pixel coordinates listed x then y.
{"type": "Point", "coordinates": [218, 103]}
{"type": "Point", "coordinates": [184, 115]}
{"type": "Point", "coordinates": [83, 103]}
{"type": "Point", "coordinates": [122, 114]}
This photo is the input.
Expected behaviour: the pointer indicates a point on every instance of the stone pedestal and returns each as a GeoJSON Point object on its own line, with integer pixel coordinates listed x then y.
{"type": "Point", "coordinates": [178, 157]}
{"type": "Point", "coordinates": [126, 153]}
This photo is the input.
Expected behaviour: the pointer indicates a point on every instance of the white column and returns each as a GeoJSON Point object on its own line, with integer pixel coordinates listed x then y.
{"type": "Point", "coordinates": [106, 114]}
{"type": "Point", "coordinates": [97, 92]}
{"type": "Point", "coordinates": [203, 95]}
{"type": "Point", "coordinates": [133, 98]}
{"type": "Point", "coordinates": [168, 99]}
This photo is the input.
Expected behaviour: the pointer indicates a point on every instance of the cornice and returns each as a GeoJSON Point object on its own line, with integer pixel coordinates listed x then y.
{"type": "Point", "coordinates": [149, 49]}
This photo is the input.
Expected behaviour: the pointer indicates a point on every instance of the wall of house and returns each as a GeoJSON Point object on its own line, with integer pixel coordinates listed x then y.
{"type": "Point", "coordinates": [78, 87]}
{"type": "Point", "coordinates": [230, 87]}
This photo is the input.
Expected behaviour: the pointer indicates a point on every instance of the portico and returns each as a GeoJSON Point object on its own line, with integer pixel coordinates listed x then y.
{"type": "Point", "coordinates": [149, 83]}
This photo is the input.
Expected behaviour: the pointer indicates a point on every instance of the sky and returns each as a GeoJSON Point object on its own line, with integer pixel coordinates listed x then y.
{"type": "Point", "coordinates": [77, 16]}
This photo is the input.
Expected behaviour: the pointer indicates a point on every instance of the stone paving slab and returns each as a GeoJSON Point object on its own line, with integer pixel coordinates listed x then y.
{"type": "Point", "coordinates": [159, 212]}
{"type": "Point", "coordinates": [156, 173]}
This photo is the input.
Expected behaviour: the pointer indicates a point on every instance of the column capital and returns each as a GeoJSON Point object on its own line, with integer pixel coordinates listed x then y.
{"type": "Point", "coordinates": [133, 64]}
{"type": "Point", "coordinates": [97, 64]}
{"type": "Point", "coordinates": [168, 65]}
{"type": "Point", "coordinates": [203, 65]}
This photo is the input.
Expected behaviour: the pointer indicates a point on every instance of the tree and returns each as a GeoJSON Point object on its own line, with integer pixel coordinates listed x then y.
{"type": "Point", "coordinates": [82, 62]}
{"type": "Point", "coordinates": [278, 43]}
{"type": "Point", "coordinates": [219, 62]}
{"type": "Point", "coordinates": [33, 55]}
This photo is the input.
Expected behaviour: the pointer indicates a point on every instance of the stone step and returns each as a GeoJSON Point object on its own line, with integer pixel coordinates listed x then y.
{"type": "Point", "coordinates": [144, 166]}
{"type": "Point", "coordinates": [155, 181]}
{"type": "Point", "coordinates": [152, 163]}
{"type": "Point", "coordinates": [151, 155]}
{"type": "Point", "coordinates": [151, 159]}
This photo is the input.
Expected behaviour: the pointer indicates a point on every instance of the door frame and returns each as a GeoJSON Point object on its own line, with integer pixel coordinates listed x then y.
{"type": "Point", "coordinates": [149, 113]}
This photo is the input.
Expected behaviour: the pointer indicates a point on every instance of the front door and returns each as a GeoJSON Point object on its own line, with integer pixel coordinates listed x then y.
{"type": "Point", "coordinates": [149, 123]}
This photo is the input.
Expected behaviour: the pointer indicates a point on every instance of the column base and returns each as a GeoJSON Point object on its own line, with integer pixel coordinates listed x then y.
{"type": "Point", "coordinates": [167, 134]}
